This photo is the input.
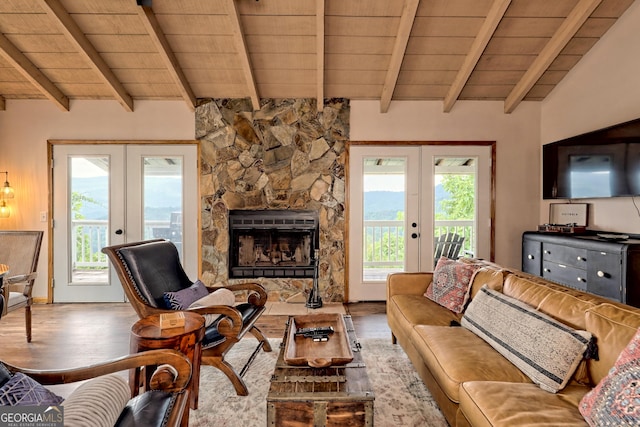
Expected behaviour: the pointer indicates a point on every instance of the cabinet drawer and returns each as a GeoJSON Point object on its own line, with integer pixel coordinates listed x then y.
{"type": "Point", "coordinates": [565, 274]}
{"type": "Point", "coordinates": [531, 257]}
{"type": "Point", "coordinates": [604, 275]}
{"type": "Point", "coordinates": [565, 255]}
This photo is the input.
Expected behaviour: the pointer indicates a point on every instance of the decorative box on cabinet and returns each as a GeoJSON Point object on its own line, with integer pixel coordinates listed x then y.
{"type": "Point", "coordinates": [607, 268]}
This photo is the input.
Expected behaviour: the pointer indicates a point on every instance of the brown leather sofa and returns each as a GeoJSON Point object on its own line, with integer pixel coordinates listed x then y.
{"type": "Point", "coordinates": [471, 382]}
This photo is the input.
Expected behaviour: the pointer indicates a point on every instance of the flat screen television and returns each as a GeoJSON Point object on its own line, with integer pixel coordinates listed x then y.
{"type": "Point", "coordinates": [603, 163]}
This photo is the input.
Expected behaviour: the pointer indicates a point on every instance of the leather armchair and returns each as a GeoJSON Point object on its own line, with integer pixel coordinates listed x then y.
{"type": "Point", "coordinates": [148, 269]}
{"type": "Point", "coordinates": [163, 404]}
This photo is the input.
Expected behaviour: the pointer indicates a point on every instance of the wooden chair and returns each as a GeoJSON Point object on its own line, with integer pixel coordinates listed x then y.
{"type": "Point", "coordinates": [148, 269]}
{"type": "Point", "coordinates": [448, 246]}
{"type": "Point", "coordinates": [163, 403]}
{"type": "Point", "coordinates": [20, 251]}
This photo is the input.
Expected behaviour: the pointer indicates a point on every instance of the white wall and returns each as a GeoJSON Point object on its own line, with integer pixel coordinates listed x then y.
{"type": "Point", "coordinates": [517, 137]}
{"type": "Point", "coordinates": [602, 90]}
{"type": "Point", "coordinates": [25, 127]}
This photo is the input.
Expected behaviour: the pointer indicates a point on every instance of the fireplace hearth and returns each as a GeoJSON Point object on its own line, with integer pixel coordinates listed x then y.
{"type": "Point", "coordinates": [272, 243]}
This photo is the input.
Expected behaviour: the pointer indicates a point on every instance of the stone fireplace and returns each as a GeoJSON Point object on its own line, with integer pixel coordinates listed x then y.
{"type": "Point", "coordinates": [286, 156]}
{"type": "Point", "coordinates": [272, 243]}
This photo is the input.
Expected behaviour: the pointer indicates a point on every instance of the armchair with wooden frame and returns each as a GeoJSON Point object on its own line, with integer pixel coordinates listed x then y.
{"type": "Point", "coordinates": [20, 251]}
{"type": "Point", "coordinates": [148, 269]}
{"type": "Point", "coordinates": [163, 403]}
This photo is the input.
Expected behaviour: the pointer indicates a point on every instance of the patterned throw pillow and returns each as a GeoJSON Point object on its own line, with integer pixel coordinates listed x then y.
{"type": "Point", "coordinates": [544, 349]}
{"type": "Point", "coordinates": [24, 391]}
{"type": "Point", "coordinates": [616, 398]}
{"type": "Point", "coordinates": [450, 284]}
{"type": "Point", "coordinates": [182, 299]}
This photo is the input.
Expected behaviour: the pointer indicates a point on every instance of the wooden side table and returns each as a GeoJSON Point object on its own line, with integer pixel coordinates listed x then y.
{"type": "Point", "coordinates": [147, 335]}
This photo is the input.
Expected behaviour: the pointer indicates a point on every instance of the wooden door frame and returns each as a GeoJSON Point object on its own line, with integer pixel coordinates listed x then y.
{"type": "Point", "coordinates": [51, 143]}
{"type": "Point", "coordinates": [492, 208]}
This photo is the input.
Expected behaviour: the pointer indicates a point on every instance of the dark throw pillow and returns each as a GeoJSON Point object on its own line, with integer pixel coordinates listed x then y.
{"type": "Point", "coordinates": [182, 299]}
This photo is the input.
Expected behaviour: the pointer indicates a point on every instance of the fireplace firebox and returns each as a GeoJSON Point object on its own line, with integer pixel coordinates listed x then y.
{"type": "Point", "coordinates": [272, 243]}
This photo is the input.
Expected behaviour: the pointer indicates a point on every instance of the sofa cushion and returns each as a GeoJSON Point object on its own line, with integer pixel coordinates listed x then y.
{"type": "Point", "coordinates": [22, 390]}
{"type": "Point", "coordinates": [616, 399]}
{"type": "Point", "coordinates": [493, 278]}
{"type": "Point", "coordinates": [182, 299]}
{"type": "Point", "coordinates": [494, 403]}
{"type": "Point", "coordinates": [451, 282]}
{"type": "Point", "coordinates": [613, 326]}
{"type": "Point", "coordinates": [544, 349]}
{"type": "Point", "coordinates": [454, 355]}
{"type": "Point", "coordinates": [563, 304]}
{"type": "Point", "coordinates": [419, 310]}
{"type": "Point", "coordinates": [97, 402]}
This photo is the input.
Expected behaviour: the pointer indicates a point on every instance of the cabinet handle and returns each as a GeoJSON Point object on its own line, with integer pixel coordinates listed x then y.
{"type": "Point", "coordinates": [547, 252]}
{"type": "Point", "coordinates": [580, 258]}
{"type": "Point", "coordinates": [562, 266]}
{"type": "Point", "coordinates": [601, 273]}
{"type": "Point", "coordinates": [546, 270]}
{"type": "Point", "coordinates": [580, 279]}
{"type": "Point", "coordinates": [530, 256]}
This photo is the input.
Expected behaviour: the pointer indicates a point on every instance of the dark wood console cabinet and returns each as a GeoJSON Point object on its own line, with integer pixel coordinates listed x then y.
{"type": "Point", "coordinates": [587, 262]}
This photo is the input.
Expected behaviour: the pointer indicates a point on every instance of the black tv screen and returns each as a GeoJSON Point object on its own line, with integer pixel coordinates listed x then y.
{"type": "Point", "coordinates": [603, 163]}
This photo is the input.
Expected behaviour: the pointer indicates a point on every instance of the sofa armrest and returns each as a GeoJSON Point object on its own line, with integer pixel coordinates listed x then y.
{"type": "Point", "coordinates": [408, 283]}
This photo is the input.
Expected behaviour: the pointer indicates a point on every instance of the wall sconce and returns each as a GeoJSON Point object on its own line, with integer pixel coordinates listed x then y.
{"type": "Point", "coordinates": [5, 212]}
{"type": "Point", "coordinates": [7, 190]}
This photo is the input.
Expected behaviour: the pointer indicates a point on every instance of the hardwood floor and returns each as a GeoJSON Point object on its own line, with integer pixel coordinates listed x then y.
{"type": "Point", "coordinates": [72, 335]}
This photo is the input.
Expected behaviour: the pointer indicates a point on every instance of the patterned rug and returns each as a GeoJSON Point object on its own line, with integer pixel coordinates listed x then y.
{"type": "Point", "coordinates": [401, 398]}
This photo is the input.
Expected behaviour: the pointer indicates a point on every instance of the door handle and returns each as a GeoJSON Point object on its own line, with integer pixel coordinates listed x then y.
{"type": "Point", "coordinates": [414, 235]}
{"type": "Point", "coordinates": [119, 231]}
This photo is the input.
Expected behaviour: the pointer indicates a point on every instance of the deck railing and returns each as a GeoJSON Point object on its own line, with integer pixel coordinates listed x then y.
{"type": "Point", "coordinates": [89, 236]}
{"type": "Point", "coordinates": [384, 243]}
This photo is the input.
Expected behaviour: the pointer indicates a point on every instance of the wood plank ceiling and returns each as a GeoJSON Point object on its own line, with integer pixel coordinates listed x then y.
{"type": "Point", "coordinates": [386, 50]}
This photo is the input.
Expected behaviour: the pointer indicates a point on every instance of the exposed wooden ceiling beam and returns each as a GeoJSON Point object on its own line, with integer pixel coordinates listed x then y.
{"type": "Point", "coordinates": [29, 71]}
{"type": "Point", "coordinates": [558, 41]}
{"type": "Point", "coordinates": [168, 57]}
{"type": "Point", "coordinates": [320, 54]}
{"type": "Point", "coordinates": [494, 16]}
{"type": "Point", "coordinates": [73, 33]}
{"type": "Point", "coordinates": [400, 46]}
{"type": "Point", "coordinates": [243, 53]}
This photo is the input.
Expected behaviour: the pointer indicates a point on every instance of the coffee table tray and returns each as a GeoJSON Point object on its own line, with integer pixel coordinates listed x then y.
{"type": "Point", "coordinates": [300, 350]}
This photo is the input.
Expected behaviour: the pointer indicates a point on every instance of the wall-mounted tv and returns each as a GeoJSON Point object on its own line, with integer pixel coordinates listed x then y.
{"type": "Point", "coordinates": [603, 163]}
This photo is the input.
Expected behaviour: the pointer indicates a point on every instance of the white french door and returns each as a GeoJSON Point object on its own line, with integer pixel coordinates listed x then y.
{"type": "Point", "coordinates": [106, 194]}
{"type": "Point", "coordinates": [402, 197]}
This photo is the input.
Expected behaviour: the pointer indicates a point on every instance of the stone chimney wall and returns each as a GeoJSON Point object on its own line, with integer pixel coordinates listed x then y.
{"type": "Point", "coordinates": [287, 155]}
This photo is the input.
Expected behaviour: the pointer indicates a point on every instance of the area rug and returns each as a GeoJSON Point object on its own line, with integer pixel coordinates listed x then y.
{"type": "Point", "coordinates": [401, 398]}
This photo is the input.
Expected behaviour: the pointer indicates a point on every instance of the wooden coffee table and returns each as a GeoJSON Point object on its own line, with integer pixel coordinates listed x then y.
{"type": "Point", "coordinates": [331, 396]}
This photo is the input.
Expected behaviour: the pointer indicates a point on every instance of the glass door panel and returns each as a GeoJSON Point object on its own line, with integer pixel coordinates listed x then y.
{"type": "Point", "coordinates": [384, 203]}
{"type": "Point", "coordinates": [455, 189]}
{"type": "Point", "coordinates": [162, 190]}
{"type": "Point", "coordinates": [89, 207]}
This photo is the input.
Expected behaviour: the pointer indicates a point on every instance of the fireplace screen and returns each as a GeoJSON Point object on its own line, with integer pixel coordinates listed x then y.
{"type": "Point", "coordinates": [272, 243]}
